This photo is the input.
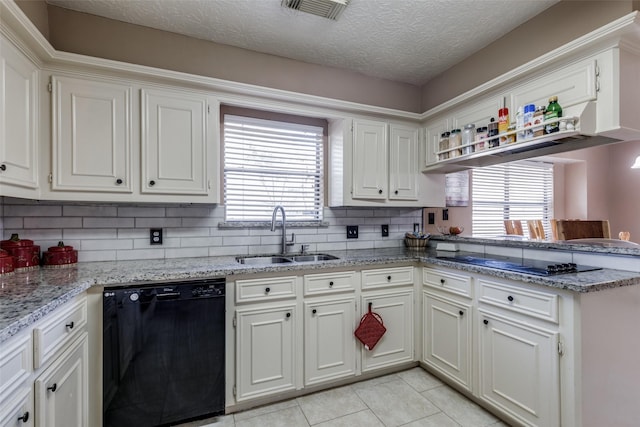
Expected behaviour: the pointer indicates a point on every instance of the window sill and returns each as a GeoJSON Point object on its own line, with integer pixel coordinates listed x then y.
{"type": "Point", "coordinates": [227, 225]}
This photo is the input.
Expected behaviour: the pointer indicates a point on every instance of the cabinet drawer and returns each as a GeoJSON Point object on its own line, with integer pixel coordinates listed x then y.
{"type": "Point", "coordinates": [541, 305]}
{"type": "Point", "coordinates": [385, 277]}
{"type": "Point", "coordinates": [450, 282]}
{"type": "Point", "coordinates": [265, 289]}
{"type": "Point", "coordinates": [315, 284]}
{"type": "Point", "coordinates": [15, 364]}
{"type": "Point", "coordinates": [58, 329]}
{"type": "Point", "coordinates": [18, 411]}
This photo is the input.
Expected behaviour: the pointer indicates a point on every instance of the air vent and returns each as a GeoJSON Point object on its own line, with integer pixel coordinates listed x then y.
{"type": "Point", "coordinates": [331, 9]}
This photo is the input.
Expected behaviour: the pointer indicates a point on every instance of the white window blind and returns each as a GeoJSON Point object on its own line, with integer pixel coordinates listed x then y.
{"type": "Point", "coordinates": [515, 191]}
{"type": "Point", "coordinates": [269, 163]}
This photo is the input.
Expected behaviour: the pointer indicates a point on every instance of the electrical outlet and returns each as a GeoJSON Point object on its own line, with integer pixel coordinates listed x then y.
{"type": "Point", "coordinates": [352, 231]}
{"type": "Point", "coordinates": [445, 214]}
{"type": "Point", "coordinates": [155, 236]}
{"type": "Point", "coordinates": [385, 230]}
{"type": "Point", "coordinates": [432, 218]}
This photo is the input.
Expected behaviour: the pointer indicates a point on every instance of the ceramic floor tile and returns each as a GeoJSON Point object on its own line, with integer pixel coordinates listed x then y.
{"type": "Point", "coordinates": [396, 403]}
{"type": "Point", "coordinates": [437, 420]}
{"type": "Point", "coordinates": [289, 417]}
{"type": "Point", "coordinates": [330, 404]}
{"type": "Point", "coordinates": [419, 379]}
{"type": "Point", "coordinates": [250, 413]}
{"type": "Point", "coordinates": [459, 408]}
{"type": "Point", "coordinates": [359, 419]}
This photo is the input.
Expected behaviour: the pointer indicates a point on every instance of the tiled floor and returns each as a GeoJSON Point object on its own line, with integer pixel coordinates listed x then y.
{"type": "Point", "coordinates": [411, 398]}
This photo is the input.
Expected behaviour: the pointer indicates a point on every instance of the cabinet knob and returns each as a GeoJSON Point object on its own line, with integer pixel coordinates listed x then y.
{"type": "Point", "coordinates": [442, 281]}
{"type": "Point", "coordinates": [461, 313]}
{"type": "Point", "coordinates": [330, 284]}
{"type": "Point", "coordinates": [388, 278]}
{"type": "Point", "coordinates": [3, 167]}
{"type": "Point", "coordinates": [152, 183]}
{"type": "Point", "coordinates": [69, 325]}
{"type": "Point", "coordinates": [119, 181]}
{"type": "Point", "coordinates": [314, 311]}
{"type": "Point", "coordinates": [267, 290]}
{"type": "Point", "coordinates": [288, 315]}
{"type": "Point", "coordinates": [24, 418]}
{"type": "Point", "coordinates": [510, 298]}
{"type": "Point", "coordinates": [53, 388]}
{"type": "Point", "coordinates": [395, 192]}
{"type": "Point", "coordinates": [379, 191]}
{"type": "Point", "coordinates": [485, 321]}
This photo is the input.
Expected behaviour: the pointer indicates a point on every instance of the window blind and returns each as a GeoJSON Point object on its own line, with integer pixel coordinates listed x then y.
{"type": "Point", "coordinates": [269, 163]}
{"type": "Point", "coordinates": [515, 191]}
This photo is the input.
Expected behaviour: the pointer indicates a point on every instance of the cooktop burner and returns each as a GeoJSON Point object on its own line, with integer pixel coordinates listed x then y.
{"type": "Point", "coordinates": [527, 266]}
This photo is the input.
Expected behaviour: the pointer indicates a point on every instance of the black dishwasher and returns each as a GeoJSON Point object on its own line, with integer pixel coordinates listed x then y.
{"type": "Point", "coordinates": [163, 353]}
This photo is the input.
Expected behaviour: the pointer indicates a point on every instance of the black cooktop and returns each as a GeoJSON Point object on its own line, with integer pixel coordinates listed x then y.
{"type": "Point", "coordinates": [526, 266]}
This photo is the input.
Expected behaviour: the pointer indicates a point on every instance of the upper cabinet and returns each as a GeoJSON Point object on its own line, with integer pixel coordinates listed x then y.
{"type": "Point", "coordinates": [375, 163]}
{"type": "Point", "coordinates": [18, 123]}
{"type": "Point", "coordinates": [92, 136]}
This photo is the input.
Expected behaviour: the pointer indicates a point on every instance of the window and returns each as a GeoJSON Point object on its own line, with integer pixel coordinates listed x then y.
{"type": "Point", "coordinates": [269, 163]}
{"type": "Point", "coordinates": [517, 191]}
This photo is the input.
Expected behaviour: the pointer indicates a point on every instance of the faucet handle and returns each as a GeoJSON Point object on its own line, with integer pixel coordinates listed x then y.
{"type": "Point", "coordinates": [292, 241]}
{"type": "Point", "coordinates": [304, 249]}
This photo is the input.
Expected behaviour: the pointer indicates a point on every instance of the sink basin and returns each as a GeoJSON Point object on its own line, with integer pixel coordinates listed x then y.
{"type": "Point", "coordinates": [263, 260]}
{"type": "Point", "coordinates": [312, 258]}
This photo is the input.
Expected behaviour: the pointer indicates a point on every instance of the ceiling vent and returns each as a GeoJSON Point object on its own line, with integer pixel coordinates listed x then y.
{"type": "Point", "coordinates": [331, 9]}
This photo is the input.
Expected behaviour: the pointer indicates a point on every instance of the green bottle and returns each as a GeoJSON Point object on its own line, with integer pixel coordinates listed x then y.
{"type": "Point", "coordinates": [554, 110]}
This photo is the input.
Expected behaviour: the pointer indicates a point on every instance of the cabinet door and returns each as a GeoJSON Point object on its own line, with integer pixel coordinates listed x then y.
{"type": "Point", "coordinates": [265, 351]}
{"type": "Point", "coordinates": [403, 164]}
{"type": "Point", "coordinates": [174, 143]}
{"type": "Point", "coordinates": [62, 389]}
{"type": "Point", "coordinates": [396, 345]}
{"type": "Point", "coordinates": [91, 136]}
{"type": "Point", "coordinates": [329, 343]}
{"type": "Point", "coordinates": [519, 369]}
{"type": "Point", "coordinates": [479, 113]}
{"type": "Point", "coordinates": [19, 411]}
{"type": "Point", "coordinates": [435, 128]}
{"type": "Point", "coordinates": [447, 337]}
{"type": "Point", "coordinates": [18, 118]}
{"type": "Point", "coordinates": [369, 160]}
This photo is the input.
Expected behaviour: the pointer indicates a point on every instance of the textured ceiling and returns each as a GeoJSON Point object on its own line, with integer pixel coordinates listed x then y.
{"type": "Point", "coordinates": [403, 40]}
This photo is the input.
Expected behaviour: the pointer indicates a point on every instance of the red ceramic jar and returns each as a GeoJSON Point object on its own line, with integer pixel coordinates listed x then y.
{"type": "Point", "coordinates": [26, 254]}
{"type": "Point", "coordinates": [60, 256]}
{"type": "Point", "coordinates": [6, 262]}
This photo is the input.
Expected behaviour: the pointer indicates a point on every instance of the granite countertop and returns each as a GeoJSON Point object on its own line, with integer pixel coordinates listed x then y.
{"type": "Point", "coordinates": [28, 296]}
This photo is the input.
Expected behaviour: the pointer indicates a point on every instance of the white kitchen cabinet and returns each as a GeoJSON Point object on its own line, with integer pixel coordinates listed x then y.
{"type": "Point", "coordinates": [329, 343]}
{"type": "Point", "coordinates": [18, 412]}
{"type": "Point", "coordinates": [18, 123]}
{"type": "Point", "coordinates": [266, 348]}
{"type": "Point", "coordinates": [174, 142]}
{"type": "Point", "coordinates": [403, 163]}
{"type": "Point", "coordinates": [447, 344]}
{"type": "Point", "coordinates": [92, 135]}
{"type": "Point", "coordinates": [370, 160]}
{"type": "Point", "coordinates": [433, 132]}
{"type": "Point", "coordinates": [61, 391]}
{"type": "Point", "coordinates": [519, 369]}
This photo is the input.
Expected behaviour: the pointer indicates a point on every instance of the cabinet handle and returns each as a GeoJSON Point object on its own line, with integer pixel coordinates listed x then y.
{"type": "Point", "coordinates": [53, 388]}
{"type": "Point", "coordinates": [388, 278]}
{"type": "Point", "coordinates": [330, 284]}
{"type": "Point", "coordinates": [24, 418]}
{"type": "Point", "coordinates": [288, 315]}
{"type": "Point", "coordinates": [442, 281]}
{"type": "Point", "coordinates": [485, 321]}
{"type": "Point", "coordinates": [152, 183]}
{"type": "Point", "coordinates": [69, 325]}
{"type": "Point", "coordinates": [510, 298]}
{"type": "Point", "coordinates": [314, 311]}
{"type": "Point", "coordinates": [461, 313]}
{"type": "Point", "coordinates": [379, 191]}
{"type": "Point", "coordinates": [3, 167]}
{"type": "Point", "coordinates": [119, 181]}
{"type": "Point", "coordinates": [267, 290]}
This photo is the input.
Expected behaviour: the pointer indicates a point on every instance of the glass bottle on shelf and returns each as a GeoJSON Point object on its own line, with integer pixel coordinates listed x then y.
{"type": "Point", "coordinates": [443, 145]}
{"type": "Point", "coordinates": [468, 136]}
{"type": "Point", "coordinates": [455, 139]}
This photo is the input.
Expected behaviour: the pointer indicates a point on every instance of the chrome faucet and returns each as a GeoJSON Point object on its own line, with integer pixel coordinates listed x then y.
{"type": "Point", "coordinates": [285, 243]}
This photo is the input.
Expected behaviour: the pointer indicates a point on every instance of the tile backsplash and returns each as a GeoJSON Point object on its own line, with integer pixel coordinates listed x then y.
{"type": "Point", "coordinates": [115, 231]}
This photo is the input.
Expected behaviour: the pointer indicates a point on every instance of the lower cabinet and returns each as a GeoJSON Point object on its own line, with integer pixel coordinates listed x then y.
{"type": "Point", "coordinates": [329, 344]}
{"type": "Point", "coordinates": [519, 369]}
{"type": "Point", "coordinates": [447, 337]}
{"type": "Point", "coordinates": [61, 390]}
{"type": "Point", "coordinates": [265, 351]}
{"type": "Point", "coordinates": [19, 411]}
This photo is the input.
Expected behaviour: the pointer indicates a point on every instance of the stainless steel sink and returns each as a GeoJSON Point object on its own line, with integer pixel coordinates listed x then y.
{"type": "Point", "coordinates": [263, 260]}
{"type": "Point", "coordinates": [312, 258]}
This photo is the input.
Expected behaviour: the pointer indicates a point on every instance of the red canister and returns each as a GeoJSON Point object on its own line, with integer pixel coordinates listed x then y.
{"type": "Point", "coordinates": [26, 254]}
{"type": "Point", "coordinates": [60, 256]}
{"type": "Point", "coordinates": [6, 262]}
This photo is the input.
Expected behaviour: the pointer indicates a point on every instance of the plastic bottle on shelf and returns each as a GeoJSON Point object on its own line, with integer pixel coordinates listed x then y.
{"type": "Point", "coordinates": [481, 134]}
{"type": "Point", "coordinates": [554, 110]}
{"type": "Point", "coordinates": [529, 110]}
{"type": "Point", "coordinates": [538, 118]}
{"type": "Point", "coordinates": [492, 130]}
{"type": "Point", "coordinates": [520, 123]}
{"type": "Point", "coordinates": [503, 123]}
{"type": "Point", "coordinates": [443, 145]}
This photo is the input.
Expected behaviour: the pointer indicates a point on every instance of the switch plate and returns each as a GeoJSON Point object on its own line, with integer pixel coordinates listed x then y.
{"type": "Point", "coordinates": [385, 230]}
{"type": "Point", "coordinates": [155, 236]}
{"type": "Point", "coordinates": [352, 231]}
{"type": "Point", "coordinates": [432, 218]}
